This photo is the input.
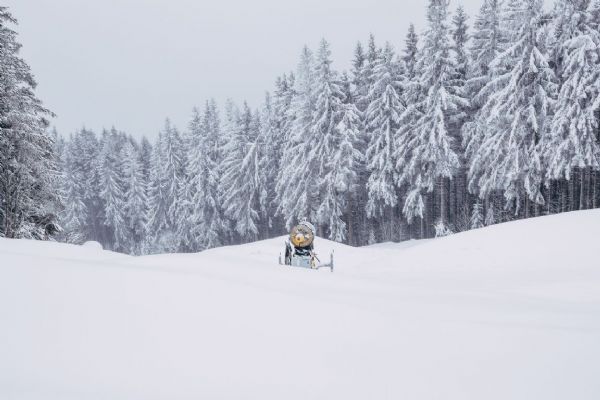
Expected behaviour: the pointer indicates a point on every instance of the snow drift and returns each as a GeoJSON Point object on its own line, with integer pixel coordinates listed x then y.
{"type": "Point", "coordinates": [507, 312]}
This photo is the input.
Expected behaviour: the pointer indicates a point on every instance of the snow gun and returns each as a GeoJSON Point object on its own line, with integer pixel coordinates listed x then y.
{"type": "Point", "coordinates": [299, 249]}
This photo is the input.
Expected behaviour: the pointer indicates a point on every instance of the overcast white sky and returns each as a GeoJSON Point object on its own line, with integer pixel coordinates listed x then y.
{"type": "Point", "coordinates": [132, 63]}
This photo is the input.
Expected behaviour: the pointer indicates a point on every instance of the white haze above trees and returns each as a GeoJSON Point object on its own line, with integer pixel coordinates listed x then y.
{"type": "Point", "coordinates": [477, 120]}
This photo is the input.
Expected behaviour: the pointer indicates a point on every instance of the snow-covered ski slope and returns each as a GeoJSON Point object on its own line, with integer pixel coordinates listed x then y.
{"type": "Point", "coordinates": [507, 312]}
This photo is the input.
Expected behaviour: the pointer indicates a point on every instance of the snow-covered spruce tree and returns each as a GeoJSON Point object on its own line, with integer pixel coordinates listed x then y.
{"type": "Point", "coordinates": [355, 218]}
{"type": "Point", "coordinates": [135, 200]}
{"type": "Point", "coordinates": [487, 41]}
{"type": "Point", "coordinates": [110, 169]}
{"type": "Point", "coordinates": [382, 123]}
{"type": "Point", "coordinates": [242, 184]}
{"type": "Point", "coordinates": [460, 38]}
{"type": "Point", "coordinates": [359, 81]}
{"type": "Point", "coordinates": [357, 94]}
{"type": "Point", "coordinates": [334, 131]}
{"type": "Point", "coordinates": [411, 50]}
{"type": "Point", "coordinates": [166, 176]}
{"type": "Point", "coordinates": [85, 149]}
{"type": "Point", "coordinates": [506, 158]}
{"type": "Point", "coordinates": [458, 193]}
{"type": "Point", "coordinates": [442, 229]}
{"type": "Point", "coordinates": [426, 154]}
{"type": "Point", "coordinates": [363, 91]}
{"type": "Point", "coordinates": [73, 216]}
{"type": "Point", "coordinates": [276, 124]}
{"type": "Point", "coordinates": [573, 140]}
{"type": "Point", "coordinates": [594, 9]}
{"type": "Point", "coordinates": [186, 193]}
{"type": "Point", "coordinates": [272, 138]}
{"type": "Point", "coordinates": [206, 222]}
{"type": "Point", "coordinates": [297, 191]}
{"type": "Point", "coordinates": [28, 170]}
{"type": "Point", "coordinates": [146, 160]}
{"type": "Point", "coordinates": [364, 77]}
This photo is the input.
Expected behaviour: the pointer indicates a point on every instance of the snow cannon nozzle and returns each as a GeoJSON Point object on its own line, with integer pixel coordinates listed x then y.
{"type": "Point", "coordinates": [302, 235]}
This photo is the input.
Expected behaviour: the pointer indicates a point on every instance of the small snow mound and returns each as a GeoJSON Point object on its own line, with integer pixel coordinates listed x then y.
{"type": "Point", "coordinates": [93, 245]}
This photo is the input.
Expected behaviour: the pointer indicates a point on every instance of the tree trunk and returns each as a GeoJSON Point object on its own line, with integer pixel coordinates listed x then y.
{"type": "Point", "coordinates": [562, 196]}
{"type": "Point", "coordinates": [588, 187]}
{"type": "Point", "coordinates": [572, 192]}
{"type": "Point", "coordinates": [582, 189]}
{"type": "Point", "coordinates": [594, 189]}
{"type": "Point", "coordinates": [443, 210]}
{"type": "Point", "coordinates": [548, 198]}
{"type": "Point", "coordinates": [349, 221]}
{"type": "Point", "coordinates": [453, 200]}
{"type": "Point", "coordinates": [427, 216]}
{"type": "Point", "coordinates": [391, 225]}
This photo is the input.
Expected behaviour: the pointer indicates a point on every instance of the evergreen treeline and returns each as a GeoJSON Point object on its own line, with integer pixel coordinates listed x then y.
{"type": "Point", "coordinates": [467, 126]}
{"type": "Point", "coordinates": [28, 173]}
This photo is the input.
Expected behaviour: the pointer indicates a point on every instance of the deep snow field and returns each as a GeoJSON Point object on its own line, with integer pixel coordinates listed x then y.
{"type": "Point", "coordinates": [507, 312]}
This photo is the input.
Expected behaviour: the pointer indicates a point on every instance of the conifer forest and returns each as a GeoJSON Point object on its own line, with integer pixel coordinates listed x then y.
{"type": "Point", "coordinates": [475, 120]}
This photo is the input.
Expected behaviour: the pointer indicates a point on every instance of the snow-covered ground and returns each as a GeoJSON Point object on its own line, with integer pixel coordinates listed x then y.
{"type": "Point", "coordinates": [507, 312]}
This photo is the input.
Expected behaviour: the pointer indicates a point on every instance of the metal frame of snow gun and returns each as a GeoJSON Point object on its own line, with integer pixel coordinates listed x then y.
{"type": "Point", "coordinates": [306, 261]}
{"type": "Point", "coordinates": [325, 265]}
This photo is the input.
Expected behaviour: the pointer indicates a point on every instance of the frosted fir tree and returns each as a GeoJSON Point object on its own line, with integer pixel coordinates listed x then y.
{"type": "Point", "coordinates": [136, 201]}
{"type": "Point", "coordinates": [425, 152]}
{"type": "Point", "coordinates": [382, 122]}
{"type": "Point", "coordinates": [173, 167]}
{"type": "Point", "coordinates": [272, 138]}
{"type": "Point", "coordinates": [206, 219]}
{"type": "Point", "coordinates": [186, 192]}
{"type": "Point", "coordinates": [280, 118]}
{"type": "Point", "coordinates": [573, 141]}
{"type": "Point", "coordinates": [514, 15]}
{"type": "Point", "coordinates": [487, 42]}
{"type": "Point", "coordinates": [477, 216]}
{"type": "Point", "coordinates": [364, 79]}
{"type": "Point", "coordinates": [506, 158]}
{"type": "Point", "coordinates": [373, 53]}
{"type": "Point", "coordinates": [241, 180]}
{"type": "Point", "coordinates": [28, 195]}
{"type": "Point", "coordinates": [166, 177]}
{"type": "Point", "coordinates": [460, 38]}
{"type": "Point", "coordinates": [360, 88]}
{"type": "Point", "coordinates": [297, 192]}
{"type": "Point", "coordinates": [341, 176]}
{"type": "Point", "coordinates": [357, 94]}
{"type": "Point", "coordinates": [212, 128]}
{"type": "Point", "coordinates": [411, 50]}
{"type": "Point", "coordinates": [282, 107]}
{"type": "Point", "coordinates": [280, 123]}
{"type": "Point", "coordinates": [110, 169]}
{"type": "Point", "coordinates": [594, 9]}
{"type": "Point", "coordinates": [73, 216]}
{"type": "Point", "coordinates": [333, 135]}
{"type": "Point", "coordinates": [458, 187]}
{"type": "Point", "coordinates": [442, 229]}
{"type": "Point", "coordinates": [146, 159]}
{"type": "Point", "coordinates": [84, 149]}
